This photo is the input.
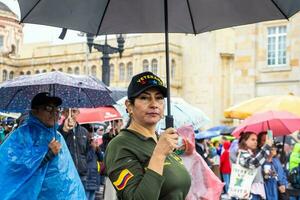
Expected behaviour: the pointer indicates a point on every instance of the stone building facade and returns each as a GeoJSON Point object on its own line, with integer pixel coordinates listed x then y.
{"type": "Point", "coordinates": [212, 70]}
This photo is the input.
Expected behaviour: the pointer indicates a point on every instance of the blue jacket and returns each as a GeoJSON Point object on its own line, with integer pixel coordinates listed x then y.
{"type": "Point", "coordinates": [23, 177]}
{"type": "Point", "coordinates": [92, 181]}
{"type": "Point", "coordinates": [282, 179]}
{"type": "Point", "coordinates": [272, 183]}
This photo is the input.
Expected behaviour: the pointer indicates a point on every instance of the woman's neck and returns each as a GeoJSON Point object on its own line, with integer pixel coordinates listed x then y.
{"type": "Point", "coordinates": [143, 130]}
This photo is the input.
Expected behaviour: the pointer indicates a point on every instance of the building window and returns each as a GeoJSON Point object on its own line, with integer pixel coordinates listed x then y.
{"type": "Point", "coordinates": [21, 73]}
{"type": "Point", "coordinates": [52, 70]}
{"type": "Point", "coordinates": [70, 70]}
{"type": "Point", "coordinates": [111, 72]}
{"type": "Point", "coordinates": [76, 70]}
{"type": "Point", "coordinates": [154, 66]}
{"type": "Point", "coordinates": [37, 71]}
{"type": "Point", "coordinates": [11, 75]}
{"type": "Point", "coordinates": [173, 69]}
{"type": "Point", "coordinates": [44, 71]}
{"type": "Point", "coordinates": [129, 70]}
{"type": "Point", "coordinates": [277, 45]}
{"type": "Point", "coordinates": [145, 65]}
{"type": "Point", "coordinates": [28, 72]}
{"type": "Point", "coordinates": [4, 75]}
{"type": "Point", "coordinates": [1, 42]}
{"type": "Point", "coordinates": [94, 71]}
{"type": "Point", "coordinates": [60, 69]}
{"type": "Point", "coordinates": [121, 72]}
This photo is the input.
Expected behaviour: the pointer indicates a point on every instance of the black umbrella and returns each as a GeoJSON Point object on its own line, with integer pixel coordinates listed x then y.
{"type": "Point", "coordinates": [153, 16]}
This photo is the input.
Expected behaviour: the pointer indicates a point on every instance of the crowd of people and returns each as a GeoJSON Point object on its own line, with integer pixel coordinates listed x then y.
{"type": "Point", "coordinates": [41, 159]}
{"type": "Point", "coordinates": [255, 151]}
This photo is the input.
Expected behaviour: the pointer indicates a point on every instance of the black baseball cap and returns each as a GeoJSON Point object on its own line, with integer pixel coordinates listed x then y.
{"type": "Point", "coordinates": [143, 81]}
{"type": "Point", "coordinates": [44, 98]}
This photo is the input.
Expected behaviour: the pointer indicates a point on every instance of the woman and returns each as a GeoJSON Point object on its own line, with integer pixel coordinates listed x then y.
{"type": "Point", "coordinates": [247, 159]}
{"type": "Point", "coordinates": [274, 176]}
{"type": "Point", "coordinates": [139, 164]}
{"type": "Point", "coordinates": [225, 166]}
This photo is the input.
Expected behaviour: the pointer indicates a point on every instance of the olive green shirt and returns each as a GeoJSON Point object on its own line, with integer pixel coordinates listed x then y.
{"type": "Point", "coordinates": [126, 160]}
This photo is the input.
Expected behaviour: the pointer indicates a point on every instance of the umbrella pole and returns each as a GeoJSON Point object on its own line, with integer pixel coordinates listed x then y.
{"type": "Point", "coordinates": [169, 117]}
{"type": "Point", "coordinates": [282, 156]}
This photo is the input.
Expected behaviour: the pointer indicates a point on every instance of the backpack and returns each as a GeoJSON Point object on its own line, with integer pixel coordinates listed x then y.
{"type": "Point", "coordinates": [294, 177]}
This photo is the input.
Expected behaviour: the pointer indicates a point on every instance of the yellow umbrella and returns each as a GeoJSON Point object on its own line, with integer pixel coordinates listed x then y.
{"type": "Point", "coordinates": [289, 103]}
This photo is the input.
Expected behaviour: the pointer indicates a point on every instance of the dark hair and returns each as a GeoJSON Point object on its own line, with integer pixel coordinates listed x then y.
{"type": "Point", "coordinates": [259, 138]}
{"type": "Point", "coordinates": [131, 101]}
{"type": "Point", "coordinates": [244, 136]}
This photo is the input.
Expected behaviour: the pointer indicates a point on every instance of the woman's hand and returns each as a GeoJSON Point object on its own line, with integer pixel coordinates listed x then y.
{"type": "Point", "coordinates": [167, 142]}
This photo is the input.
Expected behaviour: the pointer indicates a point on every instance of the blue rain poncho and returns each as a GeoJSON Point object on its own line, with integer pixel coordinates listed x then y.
{"type": "Point", "coordinates": [21, 174]}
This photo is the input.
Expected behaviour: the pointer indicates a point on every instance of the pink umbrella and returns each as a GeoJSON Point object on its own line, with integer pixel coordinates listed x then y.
{"type": "Point", "coordinates": [281, 123]}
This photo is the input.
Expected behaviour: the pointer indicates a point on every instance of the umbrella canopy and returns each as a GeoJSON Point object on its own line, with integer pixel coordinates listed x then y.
{"type": "Point", "coordinates": [280, 122]}
{"type": "Point", "coordinates": [183, 112]}
{"type": "Point", "coordinates": [97, 115]}
{"type": "Point", "coordinates": [155, 16]}
{"type": "Point", "coordinates": [224, 130]}
{"type": "Point", "coordinates": [207, 134]}
{"type": "Point", "coordinates": [75, 91]}
{"type": "Point", "coordinates": [289, 103]}
{"type": "Point", "coordinates": [144, 16]}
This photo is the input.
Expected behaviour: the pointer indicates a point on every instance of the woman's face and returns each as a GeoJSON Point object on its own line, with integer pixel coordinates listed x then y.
{"type": "Point", "coordinates": [251, 142]}
{"type": "Point", "coordinates": [148, 107]}
{"type": "Point", "coordinates": [273, 151]}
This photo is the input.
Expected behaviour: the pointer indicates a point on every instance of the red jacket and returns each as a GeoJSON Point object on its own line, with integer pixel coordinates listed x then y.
{"type": "Point", "coordinates": [225, 166]}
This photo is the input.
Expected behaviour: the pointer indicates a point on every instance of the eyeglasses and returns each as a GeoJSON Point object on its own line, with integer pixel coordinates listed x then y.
{"type": "Point", "coordinates": [51, 109]}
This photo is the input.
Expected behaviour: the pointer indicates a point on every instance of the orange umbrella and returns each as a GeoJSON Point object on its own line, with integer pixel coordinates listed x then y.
{"type": "Point", "coordinates": [97, 115]}
{"type": "Point", "coordinates": [288, 103]}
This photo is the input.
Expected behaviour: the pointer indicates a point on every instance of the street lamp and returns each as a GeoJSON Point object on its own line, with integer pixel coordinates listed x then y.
{"type": "Point", "coordinates": [106, 50]}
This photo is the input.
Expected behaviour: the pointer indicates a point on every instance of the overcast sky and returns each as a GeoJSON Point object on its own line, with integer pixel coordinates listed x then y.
{"type": "Point", "coordinates": [38, 33]}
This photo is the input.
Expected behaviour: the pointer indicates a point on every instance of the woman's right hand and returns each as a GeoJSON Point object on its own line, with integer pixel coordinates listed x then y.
{"type": "Point", "coordinates": [167, 142]}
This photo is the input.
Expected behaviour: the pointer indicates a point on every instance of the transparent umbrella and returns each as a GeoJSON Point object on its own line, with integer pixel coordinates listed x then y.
{"type": "Point", "coordinates": [183, 112]}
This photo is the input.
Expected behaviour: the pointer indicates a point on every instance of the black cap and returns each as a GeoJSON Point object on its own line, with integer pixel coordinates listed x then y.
{"type": "Point", "coordinates": [44, 98]}
{"type": "Point", "coordinates": [143, 81]}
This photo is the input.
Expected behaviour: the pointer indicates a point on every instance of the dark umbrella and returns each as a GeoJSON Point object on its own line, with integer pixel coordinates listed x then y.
{"type": "Point", "coordinates": [154, 16]}
{"type": "Point", "coordinates": [75, 90]}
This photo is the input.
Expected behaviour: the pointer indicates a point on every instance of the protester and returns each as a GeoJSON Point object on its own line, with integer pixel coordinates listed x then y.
{"type": "Point", "coordinates": [261, 139]}
{"type": "Point", "coordinates": [295, 157]}
{"type": "Point", "coordinates": [112, 131]}
{"type": "Point", "coordinates": [77, 139]}
{"type": "Point", "coordinates": [2, 134]}
{"type": "Point", "coordinates": [139, 164]}
{"type": "Point", "coordinates": [203, 151]}
{"type": "Point", "coordinates": [248, 159]}
{"type": "Point", "coordinates": [233, 150]}
{"type": "Point", "coordinates": [215, 158]}
{"type": "Point", "coordinates": [93, 177]}
{"type": "Point", "coordinates": [225, 166]}
{"type": "Point", "coordinates": [35, 161]}
{"type": "Point", "coordinates": [275, 180]}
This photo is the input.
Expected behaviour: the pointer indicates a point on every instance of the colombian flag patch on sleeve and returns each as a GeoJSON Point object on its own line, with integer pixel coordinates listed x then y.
{"type": "Point", "coordinates": [124, 177]}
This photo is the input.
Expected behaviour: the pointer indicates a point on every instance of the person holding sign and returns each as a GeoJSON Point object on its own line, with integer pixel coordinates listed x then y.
{"type": "Point", "coordinates": [249, 164]}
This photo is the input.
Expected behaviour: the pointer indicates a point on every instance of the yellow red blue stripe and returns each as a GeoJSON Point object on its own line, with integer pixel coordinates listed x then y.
{"type": "Point", "coordinates": [122, 180]}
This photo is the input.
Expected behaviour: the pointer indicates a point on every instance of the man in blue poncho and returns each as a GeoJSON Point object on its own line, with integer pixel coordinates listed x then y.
{"type": "Point", "coordinates": [35, 161]}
